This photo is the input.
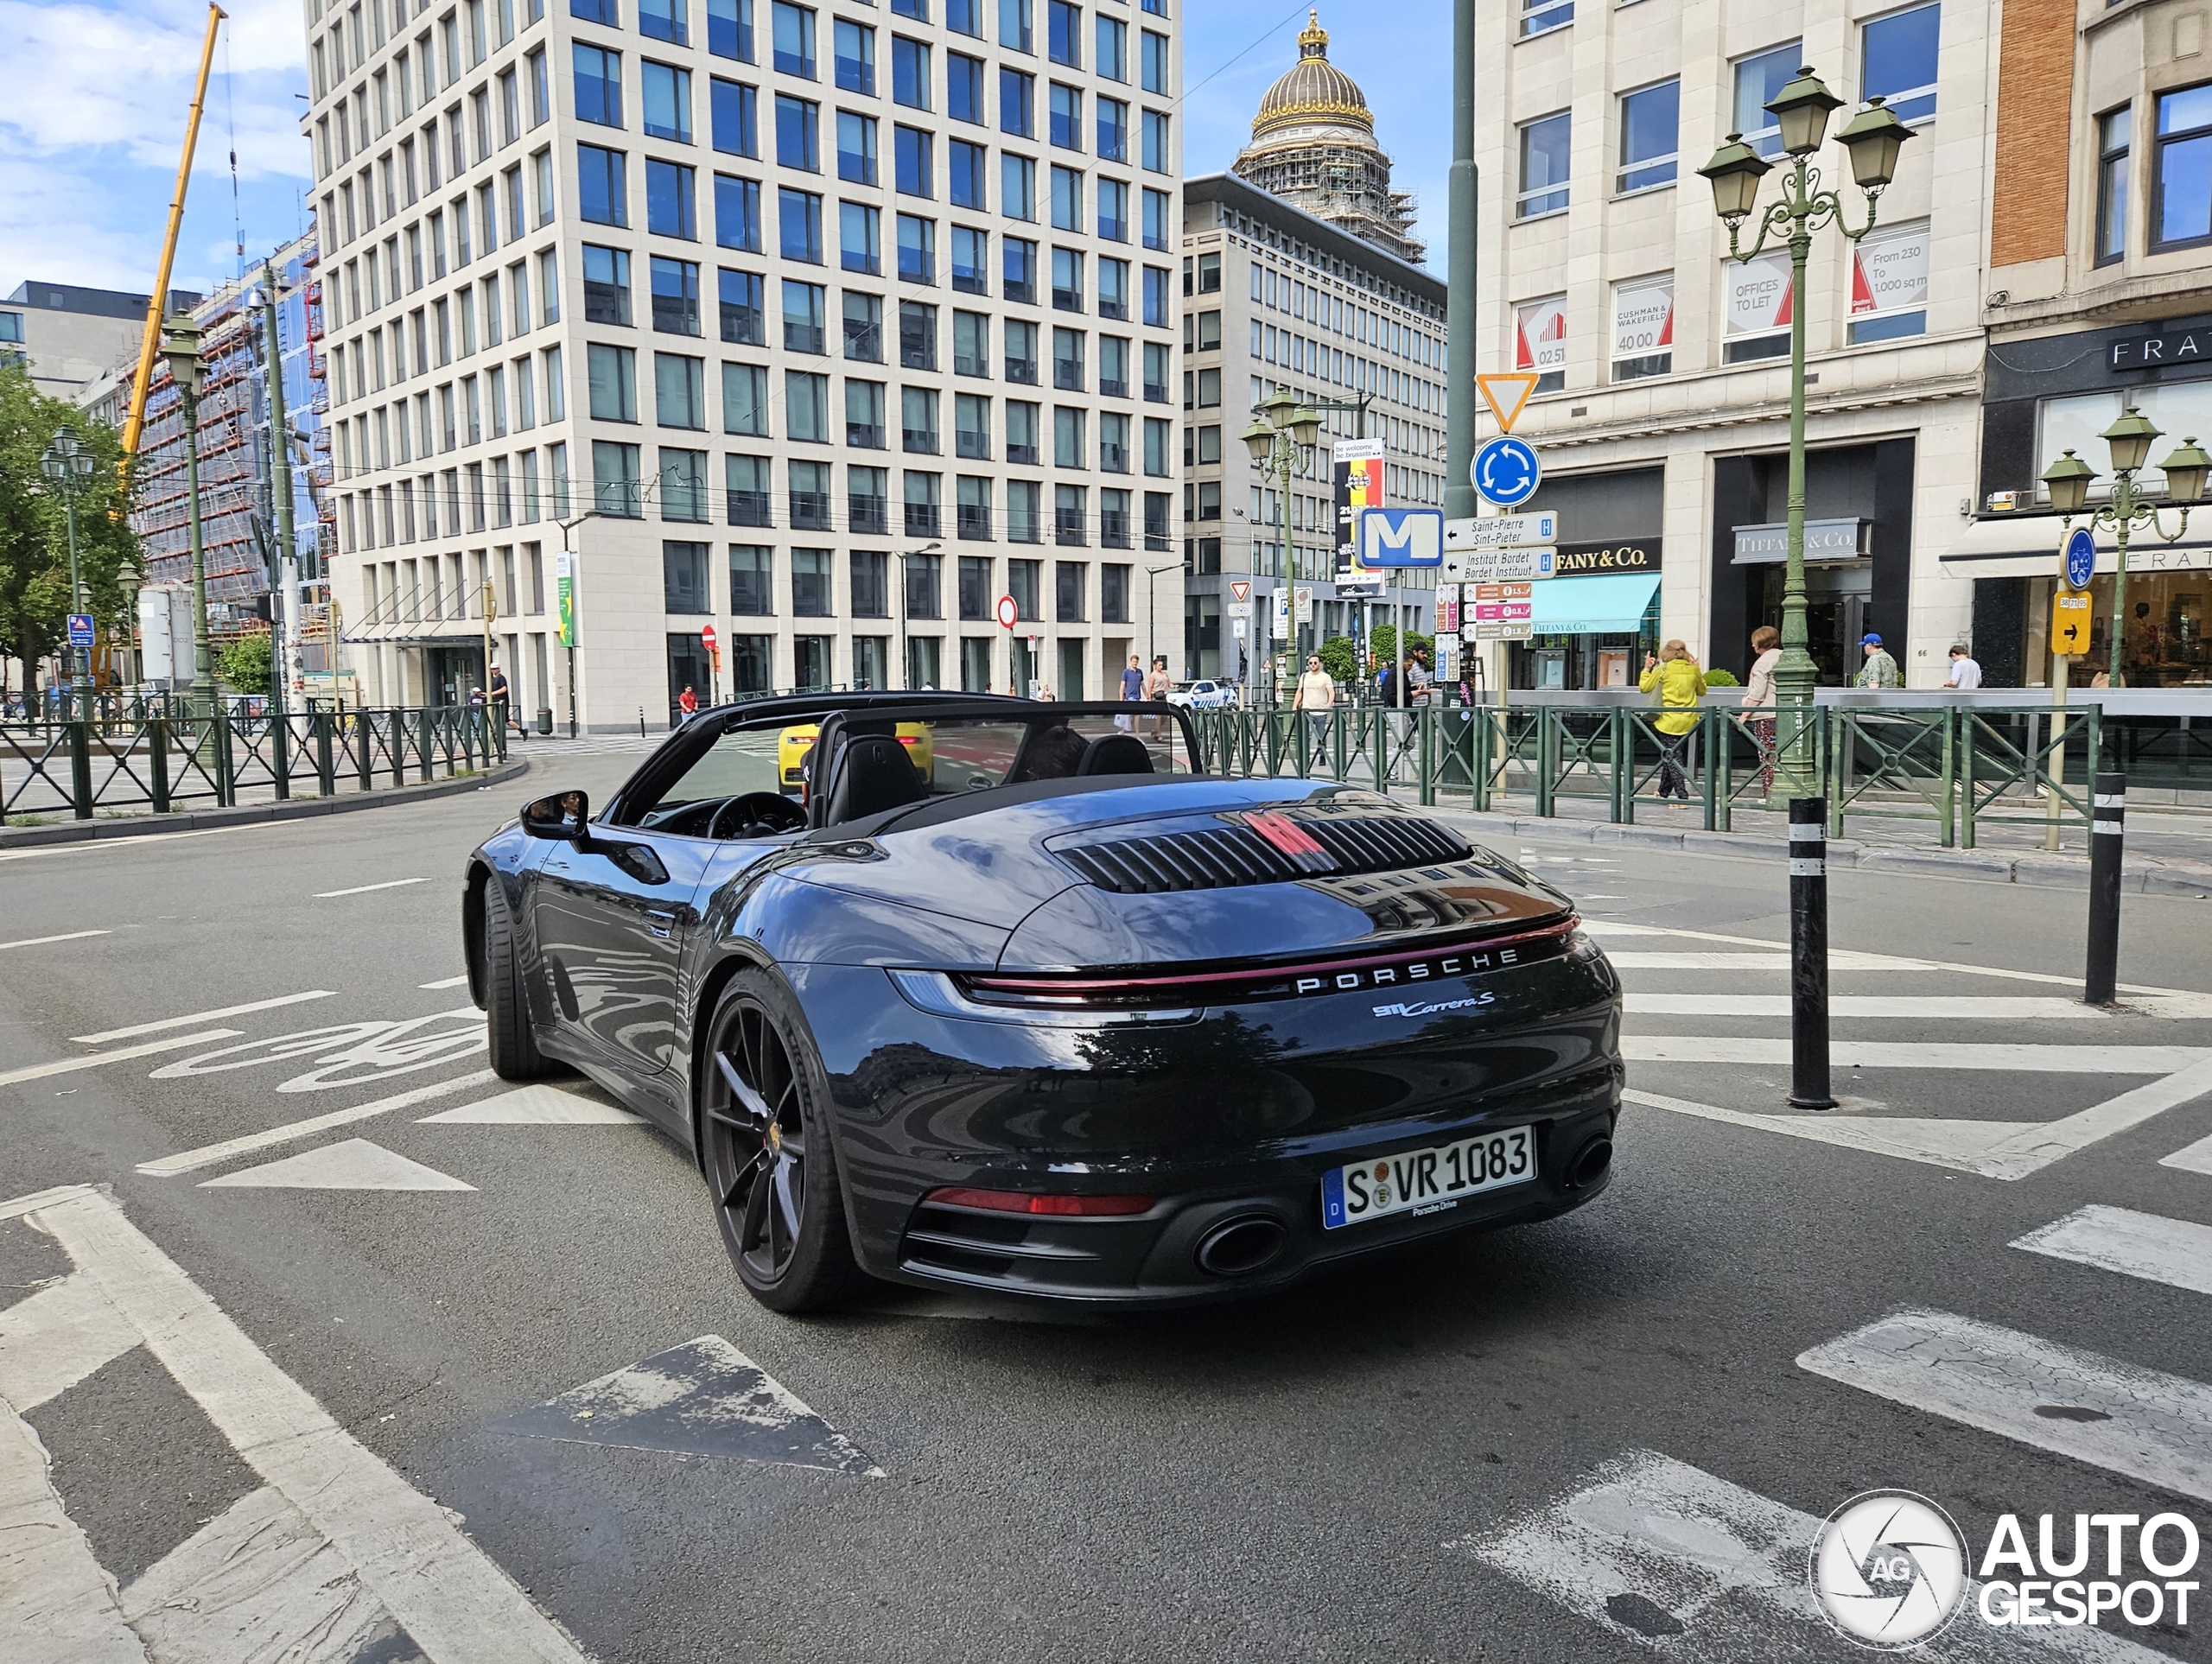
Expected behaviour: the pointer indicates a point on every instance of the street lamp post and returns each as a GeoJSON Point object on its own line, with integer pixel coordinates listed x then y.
{"type": "Point", "coordinates": [906, 670]}
{"type": "Point", "coordinates": [1872, 138]}
{"type": "Point", "coordinates": [66, 463]}
{"type": "Point", "coordinates": [567, 615]}
{"type": "Point", "coordinates": [2129, 441]}
{"type": "Point", "coordinates": [181, 346]}
{"type": "Point", "coordinates": [1281, 430]}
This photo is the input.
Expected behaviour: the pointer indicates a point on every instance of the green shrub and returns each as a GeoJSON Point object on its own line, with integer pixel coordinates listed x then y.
{"type": "Point", "coordinates": [1721, 679]}
{"type": "Point", "coordinates": [245, 663]}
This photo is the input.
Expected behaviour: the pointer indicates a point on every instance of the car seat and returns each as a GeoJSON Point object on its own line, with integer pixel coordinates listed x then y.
{"type": "Point", "coordinates": [1115, 753]}
{"type": "Point", "coordinates": [872, 774]}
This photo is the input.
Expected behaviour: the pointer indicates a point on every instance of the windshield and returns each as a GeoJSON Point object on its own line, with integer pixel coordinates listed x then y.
{"type": "Point", "coordinates": [935, 757]}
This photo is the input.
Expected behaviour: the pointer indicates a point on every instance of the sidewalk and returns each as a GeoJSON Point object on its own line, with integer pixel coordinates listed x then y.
{"type": "Point", "coordinates": [2168, 854]}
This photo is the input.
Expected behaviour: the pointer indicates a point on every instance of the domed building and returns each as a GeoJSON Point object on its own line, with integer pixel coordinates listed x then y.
{"type": "Point", "coordinates": [1313, 145]}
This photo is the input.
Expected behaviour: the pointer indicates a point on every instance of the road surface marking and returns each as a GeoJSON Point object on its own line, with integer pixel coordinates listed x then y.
{"type": "Point", "coordinates": [208, 1155]}
{"type": "Point", "coordinates": [143, 840]}
{"type": "Point", "coordinates": [41, 941]}
{"type": "Point", "coordinates": [53, 1340]}
{"type": "Point", "coordinates": [543, 1106]}
{"type": "Point", "coordinates": [449, 982]}
{"type": "Point", "coordinates": [363, 889]}
{"type": "Point", "coordinates": [353, 1164]}
{"type": "Point", "coordinates": [1937, 1054]}
{"type": "Point", "coordinates": [2041, 1008]}
{"type": "Point", "coordinates": [455, 1605]}
{"type": "Point", "coordinates": [136, 1029]}
{"type": "Point", "coordinates": [2154, 1427]}
{"type": "Point", "coordinates": [257, 1572]}
{"type": "Point", "coordinates": [703, 1398]}
{"type": "Point", "coordinates": [71, 1065]}
{"type": "Point", "coordinates": [53, 1594]}
{"type": "Point", "coordinates": [2172, 1251]}
{"type": "Point", "coordinates": [2191, 1158]}
{"type": "Point", "coordinates": [1671, 1559]}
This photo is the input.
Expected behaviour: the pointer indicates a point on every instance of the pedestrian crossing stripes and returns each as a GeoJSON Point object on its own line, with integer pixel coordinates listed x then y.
{"type": "Point", "coordinates": [2151, 1426]}
{"type": "Point", "coordinates": [2175, 1251]}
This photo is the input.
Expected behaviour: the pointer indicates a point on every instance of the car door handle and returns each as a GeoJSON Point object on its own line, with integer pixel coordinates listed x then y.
{"type": "Point", "coordinates": [660, 924]}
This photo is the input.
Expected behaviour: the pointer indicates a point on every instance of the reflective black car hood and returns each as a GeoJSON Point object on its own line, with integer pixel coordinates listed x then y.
{"type": "Point", "coordinates": [1182, 872]}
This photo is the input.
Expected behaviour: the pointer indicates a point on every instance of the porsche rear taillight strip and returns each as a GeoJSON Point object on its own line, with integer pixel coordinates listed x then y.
{"type": "Point", "coordinates": [1321, 973]}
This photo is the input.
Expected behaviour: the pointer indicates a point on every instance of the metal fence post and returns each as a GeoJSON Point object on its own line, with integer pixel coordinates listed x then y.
{"type": "Point", "coordinates": [157, 773]}
{"type": "Point", "coordinates": [1425, 741]}
{"type": "Point", "coordinates": [326, 769]}
{"type": "Point", "coordinates": [428, 737]}
{"type": "Point", "coordinates": [1948, 779]}
{"type": "Point", "coordinates": [227, 781]}
{"type": "Point", "coordinates": [1546, 744]}
{"type": "Point", "coordinates": [1723, 762]}
{"type": "Point", "coordinates": [1835, 737]}
{"type": "Point", "coordinates": [279, 754]}
{"type": "Point", "coordinates": [1964, 716]}
{"type": "Point", "coordinates": [80, 769]}
{"type": "Point", "coordinates": [1706, 728]}
{"type": "Point", "coordinates": [2107, 831]}
{"type": "Point", "coordinates": [1379, 745]}
{"type": "Point", "coordinates": [1809, 956]}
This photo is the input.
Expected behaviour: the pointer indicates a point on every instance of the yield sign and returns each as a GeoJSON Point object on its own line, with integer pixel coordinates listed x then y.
{"type": "Point", "coordinates": [1506, 394]}
{"type": "Point", "coordinates": [1240, 588]}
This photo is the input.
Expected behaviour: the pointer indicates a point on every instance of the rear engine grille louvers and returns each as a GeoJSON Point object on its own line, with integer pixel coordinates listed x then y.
{"type": "Point", "coordinates": [1229, 856]}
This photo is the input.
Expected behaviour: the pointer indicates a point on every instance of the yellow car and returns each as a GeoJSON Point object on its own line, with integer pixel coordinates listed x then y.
{"type": "Point", "coordinates": [793, 744]}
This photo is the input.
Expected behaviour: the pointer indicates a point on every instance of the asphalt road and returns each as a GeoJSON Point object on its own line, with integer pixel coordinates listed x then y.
{"type": "Point", "coordinates": [1590, 1438]}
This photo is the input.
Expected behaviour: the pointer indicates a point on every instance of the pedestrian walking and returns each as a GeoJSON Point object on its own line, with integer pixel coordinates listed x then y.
{"type": "Point", "coordinates": [1673, 674]}
{"type": "Point", "coordinates": [1157, 687]}
{"type": "Point", "coordinates": [1316, 696]}
{"type": "Point", "coordinates": [1758, 696]}
{"type": "Point", "coordinates": [1132, 689]}
{"type": "Point", "coordinates": [1880, 671]}
{"type": "Point", "coordinates": [688, 701]}
{"type": "Point", "coordinates": [1416, 681]}
{"type": "Point", "coordinates": [501, 701]}
{"type": "Point", "coordinates": [1965, 672]}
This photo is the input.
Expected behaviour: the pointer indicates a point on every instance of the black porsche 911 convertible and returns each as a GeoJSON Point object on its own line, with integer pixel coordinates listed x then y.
{"type": "Point", "coordinates": [955, 990]}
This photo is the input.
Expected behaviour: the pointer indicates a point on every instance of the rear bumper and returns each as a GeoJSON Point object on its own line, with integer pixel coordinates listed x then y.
{"type": "Point", "coordinates": [1228, 1119]}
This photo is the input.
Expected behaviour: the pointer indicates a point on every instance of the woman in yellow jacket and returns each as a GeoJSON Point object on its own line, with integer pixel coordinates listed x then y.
{"type": "Point", "coordinates": [1680, 684]}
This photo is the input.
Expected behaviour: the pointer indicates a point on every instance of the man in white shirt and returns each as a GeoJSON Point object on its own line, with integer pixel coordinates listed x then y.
{"type": "Point", "coordinates": [1965, 673]}
{"type": "Point", "coordinates": [1316, 694]}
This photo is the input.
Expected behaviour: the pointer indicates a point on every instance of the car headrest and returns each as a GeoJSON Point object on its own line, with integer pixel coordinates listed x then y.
{"type": "Point", "coordinates": [872, 773]}
{"type": "Point", "coordinates": [1115, 753]}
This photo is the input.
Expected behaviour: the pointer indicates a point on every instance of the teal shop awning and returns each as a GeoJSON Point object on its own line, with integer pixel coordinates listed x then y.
{"type": "Point", "coordinates": [1613, 605]}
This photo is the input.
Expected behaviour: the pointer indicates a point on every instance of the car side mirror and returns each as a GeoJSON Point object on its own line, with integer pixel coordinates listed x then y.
{"type": "Point", "coordinates": [565, 817]}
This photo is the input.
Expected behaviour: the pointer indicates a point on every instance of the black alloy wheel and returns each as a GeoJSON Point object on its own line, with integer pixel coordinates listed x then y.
{"type": "Point", "coordinates": [767, 1156]}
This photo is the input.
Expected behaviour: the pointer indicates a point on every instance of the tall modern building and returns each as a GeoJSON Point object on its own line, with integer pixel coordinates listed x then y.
{"type": "Point", "coordinates": [651, 278]}
{"type": "Point", "coordinates": [69, 335]}
{"type": "Point", "coordinates": [1313, 145]}
{"type": "Point", "coordinates": [1277, 299]}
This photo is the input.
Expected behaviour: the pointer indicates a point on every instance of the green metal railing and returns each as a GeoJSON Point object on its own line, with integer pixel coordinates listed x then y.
{"type": "Point", "coordinates": [160, 759]}
{"type": "Point", "coordinates": [1956, 767]}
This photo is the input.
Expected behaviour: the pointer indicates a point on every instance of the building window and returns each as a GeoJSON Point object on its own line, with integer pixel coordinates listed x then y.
{"type": "Point", "coordinates": [1023, 582]}
{"type": "Point", "coordinates": [745, 400]}
{"type": "Point", "coordinates": [1067, 279]}
{"type": "Point", "coordinates": [737, 213]}
{"type": "Point", "coordinates": [669, 211]}
{"type": "Point", "coordinates": [684, 578]}
{"type": "Point", "coordinates": [811, 654]}
{"type": "Point", "coordinates": [742, 310]}
{"type": "Point", "coordinates": [811, 597]}
{"type": "Point", "coordinates": [667, 94]}
{"type": "Point", "coordinates": [793, 30]}
{"type": "Point", "coordinates": [606, 285]}
{"type": "Point", "coordinates": [1071, 580]}
{"type": "Point", "coordinates": [615, 489]}
{"type": "Point", "coordinates": [1757, 80]}
{"type": "Point", "coordinates": [729, 30]}
{"type": "Point", "coordinates": [1017, 186]}
{"type": "Point", "coordinates": [2181, 182]}
{"type": "Point", "coordinates": [860, 237]}
{"type": "Point", "coordinates": [752, 580]}
{"type": "Point", "coordinates": [1017, 103]}
{"type": "Point", "coordinates": [910, 73]}
{"type": "Point", "coordinates": [805, 317]}
{"type": "Point", "coordinates": [797, 144]}
{"type": "Point", "coordinates": [684, 491]}
{"type": "Point", "coordinates": [972, 523]}
{"type": "Point", "coordinates": [1542, 17]}
{"type": "Point", "coordinates": [663, 20]}
{"type": "Point", "coordinates": [810, 496]}
{"type": "Point", "coordinates": [676, 296]}
{"type": "Point", "coordinates": [1644, 326]}
{"type": "Point", "coordinates": [807, 406]}
{"type": "Point", "coordinates": [1067, 199]}
{"type": "Point", "coordinates": [731, 115]}
{"type": "Point", "coordinates": [612, 377]}
{"type": "Point", "coordinates": [1066, 128]}
{"type": "Point", "coordinates": [1022, 424]}
{"type": "Point", "coordinates": [1543, 167]}
{"type": "Point", "coordinates": [1113, 126]}
{"type": "Point", "coordinates": [1897, 61]}
{"type": "Point", "coordinates": [864, 414]}
{"type": "Point", "coordinates": [917, 335]}
{"type": "Point", "coordinates": [917, 249]}
{"type": "Point", "coordinates": [856, 148]}
{"type": "Point", "coordinates": [967, 171]}
{"type": "Point", "coordinates": [914, 162]}
{"type": "Point", "coordinates": [870, 585]}
{"type": "Point", "coordinates": [1154, 157]}
{"type": "Point", "coordinates": [603, 191]}
{"type": "Point", "coordinates": [1649, 121]}
{"type": "Point", "coordinates": [864, 317]}
{"type": "Point", "coordinates": [867, 507]}
{"type": "Point", "coordinates": [923, 501]}
{"type": "Point", "coordinates": [855, 52]}
{"type": "Point", "coordinates": [2113, 128]}
{"type": "Point", "coordinates": [963, 87]}
{"type": "Point", "coordinates": [1889, 283]}
{"type": "Point", "coordinates": [1017, 269]}
{"type": "Point", "coordinates": [750, 500]}
{"type": "Point", "coordinates": [918, 410]}
{"type": "Point", "coordinates": [599, 85]}
{"type": "Point", "coordinates": [1069, 436]}
{"type": "Point", "coordinates": [1156, 205]}
{"type": "Point", "coordinates": [971, 260]}
{"type": "Point", "coordinates": [798, 224]}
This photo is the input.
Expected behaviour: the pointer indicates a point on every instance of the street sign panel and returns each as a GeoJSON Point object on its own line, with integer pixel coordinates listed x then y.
{"type": "Point", "coordinates": [1240, 609]}
{"type": "Point", "coordinates": [1498, 612]}
{"type": "Point", "coordinates": [707, 637]}
{"type": "Point", "coordinates": [1514, 564]}
{"type": "Point", "coordinates": [1503, 531]}
{"type": "Point", "coordinates": [1506, 471]}
{"type": "Point", "coordinates": [1241, 589]}
{"type": "Point", "coordinates": [2070, 622]}
{"type": "Point", "coordinates": [80, 629]}
{"type": "Point", "coordinates": [1506, 394]}
{"type": "Point", "coordinates": [1010, 614]}
{"type": "Point", "coordinates": [1238, 623]}
{"type": "Point", "coordinates": [1401, 536]}
{"type": "Point", "coordinates": [2081, 557]}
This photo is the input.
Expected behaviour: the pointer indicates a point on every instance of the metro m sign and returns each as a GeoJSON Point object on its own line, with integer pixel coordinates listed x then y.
{"type": "Point", "coordinates": [1401, 536]}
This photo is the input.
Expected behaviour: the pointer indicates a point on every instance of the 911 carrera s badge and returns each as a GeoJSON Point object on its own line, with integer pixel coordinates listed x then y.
{"type": "Point", "coordinates": [1428, 1007]}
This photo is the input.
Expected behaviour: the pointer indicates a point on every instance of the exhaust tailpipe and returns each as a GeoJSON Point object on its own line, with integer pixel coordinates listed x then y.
{"type": "Point", "coordinates": [1590, 1163]}
{"type": "Point", "coordinates": [1239, 1247]}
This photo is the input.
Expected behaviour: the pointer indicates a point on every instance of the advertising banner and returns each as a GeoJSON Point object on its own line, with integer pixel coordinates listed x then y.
{"type": "Point", "coordinates": [1889, 270]}
{"type": "Point", "coordinates": [565, 591]}
{"type": "Point", "coordinates": [1360, 473]}
{"type": "Point", "coordinates": [1643, 316]}
{"type": "Point", "coordinates": [1540, 334]}
{"type": "Point", "coordinates": [1759, 297]}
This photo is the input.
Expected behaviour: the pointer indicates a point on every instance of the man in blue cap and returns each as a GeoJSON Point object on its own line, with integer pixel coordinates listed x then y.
{"type": "Point", "coordinates": [1880, 671]}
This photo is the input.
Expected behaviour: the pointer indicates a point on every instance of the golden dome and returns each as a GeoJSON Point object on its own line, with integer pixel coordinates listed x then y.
{"type": "Point", "coordinates": [1314, 92]}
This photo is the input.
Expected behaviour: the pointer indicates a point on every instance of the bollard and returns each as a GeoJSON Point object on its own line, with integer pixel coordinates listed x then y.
{"type": "Point", "coordinates": [641, 722]}
{"type": "Point", "coordinates": [2108, 816]}
{"type": "Point", "coordinates": [1808, 955]}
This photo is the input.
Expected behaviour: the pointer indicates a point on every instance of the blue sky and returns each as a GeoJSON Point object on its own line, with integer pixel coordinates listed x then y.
{"type": "Point", "coordinates": [89, 132]}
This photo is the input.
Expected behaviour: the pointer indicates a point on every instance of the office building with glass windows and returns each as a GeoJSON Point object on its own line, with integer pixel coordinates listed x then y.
{"type": "Point", "coordinates": [1661, 407]}
{"type": "Point", "coordinates": [823, 326]}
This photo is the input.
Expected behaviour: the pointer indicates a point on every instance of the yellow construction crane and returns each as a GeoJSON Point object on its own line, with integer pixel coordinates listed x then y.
{"type": "Point", "coordinates": [159, 304]}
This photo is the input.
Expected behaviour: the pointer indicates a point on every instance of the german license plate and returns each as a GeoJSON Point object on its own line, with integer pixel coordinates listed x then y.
{"type": "Point", "coordinates": [1427, 1181]}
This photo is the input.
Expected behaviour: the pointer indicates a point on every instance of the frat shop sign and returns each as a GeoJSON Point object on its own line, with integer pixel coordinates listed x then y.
{"type": "Point", "coordinates": [2167, 346]}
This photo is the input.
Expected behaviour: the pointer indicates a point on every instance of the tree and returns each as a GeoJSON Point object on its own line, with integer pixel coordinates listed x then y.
{"type": "Point", "coordinates": [1338, 658]}
{"type": "Point", "coordinates": [34, 531]}
{"type": "Point", "coordinates": [245, 663]}
{"type": "Point", "coordinates": [1382, 642]}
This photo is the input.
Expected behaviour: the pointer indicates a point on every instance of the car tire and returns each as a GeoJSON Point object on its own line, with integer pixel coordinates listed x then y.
{"type": "Point", "coordinates": [515, 1056]}
{"type": "Point", "coordinates": [764, 1144]}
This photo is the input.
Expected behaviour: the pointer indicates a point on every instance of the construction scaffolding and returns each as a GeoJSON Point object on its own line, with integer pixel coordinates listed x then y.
{"type": "Point", "coordinates": [238, 526]}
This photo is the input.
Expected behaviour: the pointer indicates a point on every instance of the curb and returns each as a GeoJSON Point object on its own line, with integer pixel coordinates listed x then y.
{"type": "Point", "coordinates": [296, 809]}
{"type": "Point", "coordinates": [2027, 871]}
